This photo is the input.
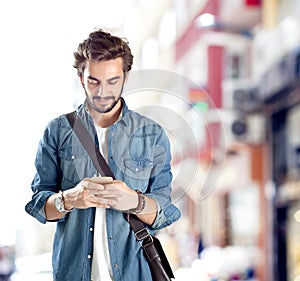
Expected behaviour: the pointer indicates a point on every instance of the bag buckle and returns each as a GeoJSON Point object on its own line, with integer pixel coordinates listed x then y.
{"type": "Point", "coordinates": [142, 234]}
{"type": "Point", "coordinates": [148, 242]}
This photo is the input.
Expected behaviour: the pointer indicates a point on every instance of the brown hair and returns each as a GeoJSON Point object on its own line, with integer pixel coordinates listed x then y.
{"type": "Point", "coordinates": [102, 46]}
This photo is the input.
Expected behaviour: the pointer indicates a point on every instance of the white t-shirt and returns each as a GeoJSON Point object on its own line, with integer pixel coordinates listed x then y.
{"type": "Point", "coordinates": [101, 267]}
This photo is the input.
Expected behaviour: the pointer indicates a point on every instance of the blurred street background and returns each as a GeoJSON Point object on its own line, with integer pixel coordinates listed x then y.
{"type": "Point", "coordinates": [222, 76]}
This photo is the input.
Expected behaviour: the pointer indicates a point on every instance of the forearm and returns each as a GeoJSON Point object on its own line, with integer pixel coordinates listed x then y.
{"type": "Point", "coordinates": [51, 212]}
{"type": "Point", "coordinates": [148, 214]}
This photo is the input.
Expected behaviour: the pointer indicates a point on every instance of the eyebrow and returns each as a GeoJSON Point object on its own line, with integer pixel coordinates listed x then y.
{"type": "Point", "coordinates": [108, 80]}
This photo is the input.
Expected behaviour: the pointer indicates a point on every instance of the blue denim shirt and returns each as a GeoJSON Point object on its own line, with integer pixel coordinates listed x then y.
{"type": "Point", "coordinates": [139, 155]}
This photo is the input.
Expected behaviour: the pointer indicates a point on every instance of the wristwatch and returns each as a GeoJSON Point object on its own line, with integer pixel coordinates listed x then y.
{"type": "Point", "coordinates": [60, 204]}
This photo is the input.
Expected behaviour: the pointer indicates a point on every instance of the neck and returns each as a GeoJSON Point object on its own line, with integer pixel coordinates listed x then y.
{"type": "Point", "coordinates": [105, 120]}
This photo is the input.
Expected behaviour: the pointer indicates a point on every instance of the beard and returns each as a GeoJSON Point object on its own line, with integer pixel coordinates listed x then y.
{"type": "Point", "coordinates": [103, 109]}
{"type": "Point", "coordinates": [92, 104]}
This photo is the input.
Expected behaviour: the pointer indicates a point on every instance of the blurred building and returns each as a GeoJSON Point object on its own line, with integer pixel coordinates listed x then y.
{"type": "Point", "coordinates": [245, 55]}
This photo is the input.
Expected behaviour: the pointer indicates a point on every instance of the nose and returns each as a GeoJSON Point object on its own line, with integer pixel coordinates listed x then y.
{"type": "Point", "coordinates": [100, 90]}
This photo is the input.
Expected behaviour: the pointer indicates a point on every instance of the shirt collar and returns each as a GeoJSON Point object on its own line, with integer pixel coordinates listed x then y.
{"type": "Point", "coordinates": [124, 111]}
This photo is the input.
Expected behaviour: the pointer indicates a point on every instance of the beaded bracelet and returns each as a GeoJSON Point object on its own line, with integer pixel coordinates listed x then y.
{"type": "Point", "coordinates": [141, 204]}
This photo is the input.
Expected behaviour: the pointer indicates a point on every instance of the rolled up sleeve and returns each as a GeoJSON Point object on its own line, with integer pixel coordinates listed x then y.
{"type": "Point", "coordinates": [35, 207]}
{"type": "Point", "coordinates": [160, 185]}
{"type": "Point", "coordinates": [45, 180]}
{"type": "Point", "coordinates": [166, 216]}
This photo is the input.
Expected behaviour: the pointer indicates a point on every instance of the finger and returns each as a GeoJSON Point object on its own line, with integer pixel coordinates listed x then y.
{"type": "Point", "coordinates": [102, 180]}
{"type": "Point", "coordinates": [106, 201]}
{"type": "Point", "coordinates": [102, 206]}
{"type": "Point", "coordinates": [90, 185]}
{"type": "Point", "coordinates": [113, 194]}
{"type": "Point", "coordinates": [115, 186]}
{"type": "Point", "coordinates": [95, 201]}
{"type": "Point", "coordinates": [111, 188]}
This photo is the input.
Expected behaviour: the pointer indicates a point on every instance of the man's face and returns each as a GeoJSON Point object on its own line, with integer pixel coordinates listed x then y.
{"type": "Point", "coordinates": [103, 83]}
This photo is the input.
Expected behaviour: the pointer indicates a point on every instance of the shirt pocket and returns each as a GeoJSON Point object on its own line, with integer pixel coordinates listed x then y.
{"type": "Point", "coordinates": [138, 171]}
{"type": "Point", "coordinates": [72, 165]}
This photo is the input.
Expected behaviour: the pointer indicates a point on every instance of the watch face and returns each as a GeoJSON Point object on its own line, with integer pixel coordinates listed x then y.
{"type": "Point", "coordinates": [59, 204]}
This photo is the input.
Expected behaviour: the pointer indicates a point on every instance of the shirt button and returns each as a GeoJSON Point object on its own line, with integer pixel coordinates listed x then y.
{"type": "Point", "coordinates": [89, 256]}
{"type": "Point", "coordinates": [115, 265]}
{"type": "Point", "coordinates": [91, 229]}
{"type": "Point", "coordinates": [110, 237]}
{"type": "Point", "coordinates": [73, 157]}
{"type": "Point", "coordinates": [136, 169]}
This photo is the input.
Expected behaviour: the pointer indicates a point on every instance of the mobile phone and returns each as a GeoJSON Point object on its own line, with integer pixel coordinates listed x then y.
{"type": "Point", "coordinates": [102, 179]}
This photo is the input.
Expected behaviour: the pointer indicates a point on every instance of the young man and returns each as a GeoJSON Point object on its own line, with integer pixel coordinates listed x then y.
{"type": "Point", "coordinates": [93, 241]}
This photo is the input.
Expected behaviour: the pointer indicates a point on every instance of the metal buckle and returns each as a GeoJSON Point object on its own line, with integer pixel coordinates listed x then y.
{"type": "Point", "coordinates": [148, 243]}
{"type": "Point", "coordinates": [142, 234]}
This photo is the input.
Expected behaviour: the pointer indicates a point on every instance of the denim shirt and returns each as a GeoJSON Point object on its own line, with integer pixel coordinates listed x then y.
{"type": "Point", "coordinates": [139, 155]}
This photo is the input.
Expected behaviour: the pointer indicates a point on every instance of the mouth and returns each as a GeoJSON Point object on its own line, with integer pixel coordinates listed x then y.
{"type": "Point", "coordinates": [103, 101]}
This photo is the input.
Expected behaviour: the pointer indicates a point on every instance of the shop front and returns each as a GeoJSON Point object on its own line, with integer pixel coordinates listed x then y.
{"type": "Point", "coordinates": [282, 107]}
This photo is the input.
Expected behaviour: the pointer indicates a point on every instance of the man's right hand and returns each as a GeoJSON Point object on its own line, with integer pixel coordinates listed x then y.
{"type": "Point", "coordinates": [84, 195]}
{"type": "Point", "coordinates": [87, 194]}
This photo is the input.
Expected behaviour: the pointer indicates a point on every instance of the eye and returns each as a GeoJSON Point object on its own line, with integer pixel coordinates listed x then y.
{"type": "Point", "coordinates": [93, 82]}
{"type": "Point", "coordinates": [113, 82]}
